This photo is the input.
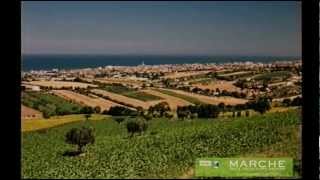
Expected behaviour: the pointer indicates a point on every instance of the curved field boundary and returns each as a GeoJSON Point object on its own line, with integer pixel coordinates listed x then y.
{"type": "Point", "coordinates": [82, 99]}
{"type": "Point", "coordinates": [125, 99]}
{"type": "Point", "coordinates": [173, 102]}
{"type": "Point", "coordinates": [211, 100]}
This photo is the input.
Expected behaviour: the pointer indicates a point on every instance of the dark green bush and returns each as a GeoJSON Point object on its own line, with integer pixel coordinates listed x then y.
{"type": "Point", "coordinates": [121, 111]}
{"type": "Point", "coordinates": [136, 126]}
{"type": "Point", "coordinates": [80, 137]}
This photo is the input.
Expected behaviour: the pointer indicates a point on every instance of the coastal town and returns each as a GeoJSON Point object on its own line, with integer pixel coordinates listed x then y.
{"type": "Point", "coordinates": [177, 85]}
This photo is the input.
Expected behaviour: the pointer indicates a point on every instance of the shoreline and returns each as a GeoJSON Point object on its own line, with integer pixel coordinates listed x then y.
{"type": "Point", "coordinates": [271, 62]}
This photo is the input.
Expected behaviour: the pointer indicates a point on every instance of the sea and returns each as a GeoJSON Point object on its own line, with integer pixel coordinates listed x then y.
{"type": "Point", "coordinates": [49, 62]}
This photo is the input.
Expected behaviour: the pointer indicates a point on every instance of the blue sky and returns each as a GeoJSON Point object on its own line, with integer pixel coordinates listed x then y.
{"type": "Point", "coordinates": [207, 28]}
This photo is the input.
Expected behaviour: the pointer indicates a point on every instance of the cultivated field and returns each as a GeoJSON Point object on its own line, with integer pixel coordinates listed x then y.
{"type": "Point", "coordinates": [168, 149]}
{"type": "Point", "coordinates": [272, 76]}
{"type": "Point", "coordinates": [235, 73]}
{"type": "Point", "coordinates": [171, 100]}
{"type": "Point", "coordinates": [116, 80]}
{"type": "Point", "coordinates": [221, 85]}
{"type": "Point", "coordinates": [125, 99]}
{"type": "Point", "coordinates": [38, 124]}
{"type": "Point", "coordinates": [211, 100]}
{"type": "Point", "coordinates": [184, 74]}
{"type": "Point", "coordinates": [82, 99]}
{"type": "Point", "coordinates": [49, 104]}
{"type": "Point", "coordinates": [59, 84]}
{"type": "Point", "coordinates": [181, 96]}
{"type": "Point", "coordinates": [130, 92]}
{"type": "Point", "coordinates": [29, 113]}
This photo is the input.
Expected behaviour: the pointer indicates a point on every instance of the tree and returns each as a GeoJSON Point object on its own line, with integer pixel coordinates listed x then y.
{"type": "Point", "coordinates": [136, 126]}
{"type": "Point", "coordinates": [77, 79]}
{"type": "Point", "coordinates": [183, 112]}
{"type": "Point", "coordinates": [208, 111]}
{"type": "Point", "coordinates": [147, 116]}
{"type": "Point", "coordinates": [286, 102]}
{"type": "Point", "coordinates": [261, 105]}
{"type": "Point", "coordinates": [159, 109]}
{"type": "Point", "coordinates": [119, 119]}
{"type": "Point", "coordinates": [247, 113]}
{"type": "Point", "coordinates": [80, 137]}
{"type": "Point", "coordinates": [296, 101]}
{"type": "Point", "coordinates": [97, 109]}
{"type": "Point", "coordinates": [87, 110]}
{"type": "Point", "coordinates": [218, 90]}
{"type": "Point", "coordinates": [222, 106]}
{"type": "Point", "coordinates": [105, 111]}
{"type": "Point", "coordinates": [87, 116]}
{"type": "Point", "coordinates": [139, 110]}
{"type": "Point", "coordinates": [194, 115]}
{"type": "Point", "coordinates": [121, 111]}
{"type": "Point", "coordinates": [168, 115]}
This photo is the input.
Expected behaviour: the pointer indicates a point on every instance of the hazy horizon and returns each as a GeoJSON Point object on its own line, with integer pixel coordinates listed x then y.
{"type": "Point", "coordinates": [161, 28]}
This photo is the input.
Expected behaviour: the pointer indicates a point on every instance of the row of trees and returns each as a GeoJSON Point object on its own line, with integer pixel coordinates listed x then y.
{"type": "Point", "coordinates": [191, 111]}
{"type": "Point", "coordinates": [120, 111]}
{"type": "Point", "coordinates": [297, 101]}
{"type": "Point", "coordinates": [212, 111]}
{"type": "Point", "coordinates": [212, 92]}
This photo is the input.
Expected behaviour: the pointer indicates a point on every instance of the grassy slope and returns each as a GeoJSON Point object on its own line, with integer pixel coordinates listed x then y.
{"type": "Point", "coordinates": [37, 124]}
{"type": "Point", "coordinates": [289, 146]}
{"type": "Point", "coordinates": [167, 149]}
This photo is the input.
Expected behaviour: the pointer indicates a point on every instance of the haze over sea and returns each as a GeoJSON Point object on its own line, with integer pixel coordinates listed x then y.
{"type": "Point", "coordinates": [48, 62]}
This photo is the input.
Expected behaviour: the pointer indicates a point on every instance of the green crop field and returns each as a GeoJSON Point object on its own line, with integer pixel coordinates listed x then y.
{"type": "Point", "coordinates": [184, 97]}
{"type": "Point", "coordinates": [201, 80]}
{"type": "Point", "coordinates": [49, 104]}
{"type": "Point", "coordinates": [273, 75]}
{"type": "Point", "coordinates": [37, 124]}
{"type": "Point", "coordinates": [143, 96]}
{"type": "Point", "coordinates": [167, 149]}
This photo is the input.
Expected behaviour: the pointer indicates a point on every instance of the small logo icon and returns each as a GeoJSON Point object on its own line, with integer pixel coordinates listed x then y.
{"type": "Point", "coordinates": [215, 164]}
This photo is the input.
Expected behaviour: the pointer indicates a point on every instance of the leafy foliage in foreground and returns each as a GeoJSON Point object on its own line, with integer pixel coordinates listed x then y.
{"type": "Point", "coordinates": [167, 149]}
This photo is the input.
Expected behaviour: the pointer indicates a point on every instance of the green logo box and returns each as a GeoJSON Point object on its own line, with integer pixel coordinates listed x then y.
{"type": "Point", "coordinates": [244, 167]}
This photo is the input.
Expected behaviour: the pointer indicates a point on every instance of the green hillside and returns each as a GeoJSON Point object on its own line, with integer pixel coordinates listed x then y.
{"type": "Point", "coordinates": [167, 149]}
